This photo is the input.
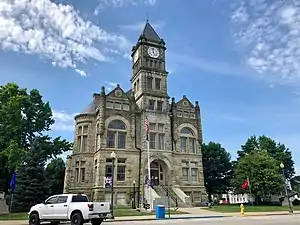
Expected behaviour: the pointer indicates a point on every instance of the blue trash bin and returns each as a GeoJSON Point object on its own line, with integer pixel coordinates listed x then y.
{"type": "Point", "coordinates": [160, 212]}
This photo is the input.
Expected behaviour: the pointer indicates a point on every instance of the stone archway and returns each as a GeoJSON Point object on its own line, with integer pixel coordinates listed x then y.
{"type": "Point", "coordinates": [159, 172]}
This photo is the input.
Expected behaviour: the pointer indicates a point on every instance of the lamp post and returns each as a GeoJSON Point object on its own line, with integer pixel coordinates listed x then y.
{"type": "Point", "coordinates": [285, 187]}
{"type": "Point", "coordinates": [133, 205]}
{"type": "Point", "coordinates": [113, 157]}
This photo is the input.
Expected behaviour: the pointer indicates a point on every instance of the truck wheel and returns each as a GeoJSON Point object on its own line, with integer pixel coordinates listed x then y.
{"type": "Point", "coordinates": [96, 221]}
{"type": "Point", "coordinates": [34, 219]}
{"type": "Point", "coordinates": [76, 219]}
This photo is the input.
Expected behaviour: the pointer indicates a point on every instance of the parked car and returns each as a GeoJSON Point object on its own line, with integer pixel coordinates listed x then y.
{"type": "Point", "coordinates": [69, 207]}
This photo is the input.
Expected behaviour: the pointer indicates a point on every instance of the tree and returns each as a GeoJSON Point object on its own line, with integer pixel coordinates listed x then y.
{"type": "Point", "coordinates": [276, 150]}
{"type": "Point", "coordinates": [217, 168]}
{"type": "Point", "coordinates": [24, 116]}
{"type": "Point", "coordinates": [263, 172]}
{"type": "Point", "coordinates": [31, 181]}
{"type": "Point", "coordinates": [55, 172]}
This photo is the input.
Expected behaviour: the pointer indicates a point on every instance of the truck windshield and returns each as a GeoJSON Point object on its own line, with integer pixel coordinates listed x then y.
{"type": "Point", "coordinates": [79, 198]}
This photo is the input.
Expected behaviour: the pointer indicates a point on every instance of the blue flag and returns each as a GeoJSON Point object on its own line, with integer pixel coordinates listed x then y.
{"type": "Point", "coordinates": [13, 182]}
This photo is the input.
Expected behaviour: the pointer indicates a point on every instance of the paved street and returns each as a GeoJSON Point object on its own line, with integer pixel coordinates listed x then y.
{"type": "Point", "coordinates": [259, 220]}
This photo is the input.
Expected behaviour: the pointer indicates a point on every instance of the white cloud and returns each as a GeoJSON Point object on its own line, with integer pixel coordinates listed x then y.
{"type": "Point", "coordinates": [269, 34]}
{"type": "Point", "coordinates": [110, 85]}
{"type": "Point", "coordinates": [55, 32]}
{"type": "Point", "coordinates": [63, 121]}
{"type": "Point", "coordinates": [121, 3]}
{"type": "Point", "coordinates": [139, 26]}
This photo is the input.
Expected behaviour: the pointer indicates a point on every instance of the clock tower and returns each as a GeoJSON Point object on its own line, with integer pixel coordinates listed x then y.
{"type": "Point", "coordinates": [149, 75]}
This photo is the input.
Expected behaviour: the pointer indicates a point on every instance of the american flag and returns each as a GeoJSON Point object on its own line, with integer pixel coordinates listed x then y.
{"type": "Point", "coordinates": [147, 126]}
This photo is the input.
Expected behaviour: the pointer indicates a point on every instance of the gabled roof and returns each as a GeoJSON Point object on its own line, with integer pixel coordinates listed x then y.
{"type": "Point", "coordinates": [149, 33]}
{"type": "Point", "coordinates": [185, 102]}
{"type": "Point", "coordinates": [91, 108]}
{"type": "Point", "coordinates": [118, 93]}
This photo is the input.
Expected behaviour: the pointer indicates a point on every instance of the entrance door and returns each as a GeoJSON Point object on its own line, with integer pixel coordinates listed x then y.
{"type": "Point", "coordinates": [154, 177]}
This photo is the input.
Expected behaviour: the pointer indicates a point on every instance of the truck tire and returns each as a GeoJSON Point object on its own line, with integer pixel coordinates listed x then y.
{"type": "Point", "coordinates": [34, 219]}
{"type": "Point", "coordinates": [96, 221]}
{"type": "Point", "coordinates": [76, 219]}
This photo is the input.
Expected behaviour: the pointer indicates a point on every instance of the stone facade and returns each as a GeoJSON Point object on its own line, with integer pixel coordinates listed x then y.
{"type": "Point", "coordinates": [115, 121]}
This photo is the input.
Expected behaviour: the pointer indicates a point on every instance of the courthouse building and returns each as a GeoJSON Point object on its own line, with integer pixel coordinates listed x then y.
{"type": "Point", "coordinates": [115, 121]}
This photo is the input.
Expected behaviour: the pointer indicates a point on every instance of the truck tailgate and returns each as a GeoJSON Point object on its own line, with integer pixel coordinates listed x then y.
{"type": "Point", "coordinates": [101, 207]}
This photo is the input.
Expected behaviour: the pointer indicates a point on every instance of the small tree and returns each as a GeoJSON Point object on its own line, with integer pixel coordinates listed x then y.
{"type": "Point", "coordinates": [55, 172]}
{"type": "Point", "coordinates": [31, 182]}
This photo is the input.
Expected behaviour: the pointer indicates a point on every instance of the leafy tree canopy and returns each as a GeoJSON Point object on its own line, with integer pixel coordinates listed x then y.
{"type": "Point", "coordinates": [277, 151]}
{"type": "Point", "coordinates": [263, 171]}
{"type": "Point", "coordinates": [217, 168]}
{"type": "Point", "coordinates": [24, 116]}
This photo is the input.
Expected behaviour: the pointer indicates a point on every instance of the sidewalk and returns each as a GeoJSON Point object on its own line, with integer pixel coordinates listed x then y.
{"type": "Point", "coordinates": [173, 217]}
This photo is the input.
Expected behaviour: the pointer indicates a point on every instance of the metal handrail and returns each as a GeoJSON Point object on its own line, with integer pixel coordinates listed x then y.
{"type": "Point", "coordinates": [168, 193]}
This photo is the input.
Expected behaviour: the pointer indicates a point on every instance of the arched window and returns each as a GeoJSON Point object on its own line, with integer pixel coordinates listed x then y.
{"type": "Point", "coordinates": [187, 141]}
{"type": "Point", "coordinates": [116, 134]}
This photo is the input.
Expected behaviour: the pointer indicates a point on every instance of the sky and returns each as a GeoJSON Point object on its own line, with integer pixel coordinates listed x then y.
{"type": "Point", "coordinates": [239, 59]}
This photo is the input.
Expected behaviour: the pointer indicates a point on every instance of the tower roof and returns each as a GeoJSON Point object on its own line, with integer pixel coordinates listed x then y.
{"type": "Point", "coordinates": [149, 33]}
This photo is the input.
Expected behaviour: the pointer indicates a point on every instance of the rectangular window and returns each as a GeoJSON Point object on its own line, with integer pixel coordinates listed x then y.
{"type": "Point", "coordinates": [118, 105]}
{"type": "Point", "coordinates": [192, 145]}
{"type": "Point", "coordinates": [80, 130]}
{"type": "Point", "coordinates": [77, 164]}
{"type": "Point", "coordinates": [194, 174]}
{"type": "Point", "coordinates": [85, 129]}
{"type": "Point", "coordinates": [183, 144]}
{"type": "Point", "coordinates": [125, 107]}
{"type": "Point", "coordinates": [149, 82]}
{"type": "Point", "coordinates": [151, 104]}
{"type": "Point", "coordinates": [121, 160]}
{"type": "Point", "coordinates": [160, 127]}
{"type": "Point", "coordinates": [157, 83]}
{"type": "Point", "coordinates": [108, 171]}
{"type": "Point", "coordinates": [121, 172]}
{"type": "Point", "coordinates": [152, 140]}
{"type": "Point", "coordinates": [186, 114]}
{"type": "Point", "coordinates": [109, 105]}
{"type": "Point", "coordinates": [84, 143]}
{"type": "Point", "coordinates": [179, 114]}
{"type": "Point", "coordinates": [79, 144]}
{"type": "Point", "coordinates": [82, 174]}
{"type": "Point", "coordinates": [77, 175]}
{"type": "Point", "coordinates": [161, 141]}
{"type": "Point", "coordinates": [192, 115]}
{"type": "Point", "coordinates": [111, 139]}
{"type": "Point", "coordinates": [95, 173]}
{"type": "Point", "coordinates": [121, 140]}
{"type": "Point", "coordinates": [185, 174]}
{"type": "Point", "coordinates": [152, 126]}
{"type": "Point", "coordinates": [159, 106]}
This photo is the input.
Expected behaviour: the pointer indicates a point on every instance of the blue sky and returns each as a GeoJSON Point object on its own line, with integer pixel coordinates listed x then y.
{"type": "Point", "coordinates": [240, 59]}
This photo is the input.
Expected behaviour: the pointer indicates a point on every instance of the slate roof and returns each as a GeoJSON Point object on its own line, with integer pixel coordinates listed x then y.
{"type": "Point", "coordinates": [150, 34]}
{"type": "Point", "coordinates": [91, 108]}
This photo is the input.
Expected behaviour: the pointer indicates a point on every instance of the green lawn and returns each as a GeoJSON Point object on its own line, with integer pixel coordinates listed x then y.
{"type": "Point", "coordinates": [117, 212]}
{"type": "Point", "coordinates": [250, 208]}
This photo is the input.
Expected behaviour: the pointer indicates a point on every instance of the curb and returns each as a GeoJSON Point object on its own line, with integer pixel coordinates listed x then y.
{"type": "Point", "coordinates": [171, 218]}
{"type": "Point", "coordinates": [269, 214]}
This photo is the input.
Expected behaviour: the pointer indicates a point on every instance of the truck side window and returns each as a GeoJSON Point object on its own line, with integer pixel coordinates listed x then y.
{"type": "Point", "coordinates": [52, 200]}
{"type": "Point", "coordinates": [79, 198]}
{"type": "Point", "coordinates": [62, 199]}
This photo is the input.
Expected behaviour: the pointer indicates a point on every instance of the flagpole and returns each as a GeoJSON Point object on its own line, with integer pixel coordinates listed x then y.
{"type": "Point", "coordinates": [11, 203]}
{"type": "Point", "coordinates": [149, 175]}
{"type": "Point", "coordinates": [249, 185]}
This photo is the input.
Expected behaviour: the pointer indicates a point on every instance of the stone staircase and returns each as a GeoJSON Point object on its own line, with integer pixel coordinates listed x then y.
{"type": "Point", "coordinates": [165, 191]}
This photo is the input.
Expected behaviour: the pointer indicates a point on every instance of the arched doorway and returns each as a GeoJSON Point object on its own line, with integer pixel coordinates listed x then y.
{"type": "Point", "coordinates": [158, 173]}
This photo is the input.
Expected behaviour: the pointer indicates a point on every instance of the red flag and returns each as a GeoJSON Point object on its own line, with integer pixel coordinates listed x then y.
{"type": "Point", "coordinates": [245, 184]}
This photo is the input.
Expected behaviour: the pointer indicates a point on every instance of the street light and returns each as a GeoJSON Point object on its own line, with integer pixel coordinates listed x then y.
{"type": "Point", "coordinates": [285, 187]}
{"type": "Point", "coordinates": [113, 157]}
{"type": "Point", "coordinates": [133, 205]}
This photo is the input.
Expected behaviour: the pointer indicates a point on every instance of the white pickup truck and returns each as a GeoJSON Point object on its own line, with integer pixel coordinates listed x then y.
{"type": "Point", "coordinates": [69, 207]}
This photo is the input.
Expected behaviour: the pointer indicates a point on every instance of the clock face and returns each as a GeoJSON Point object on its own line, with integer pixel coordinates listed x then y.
{"type": "Point", "coordinates": [153, 52]}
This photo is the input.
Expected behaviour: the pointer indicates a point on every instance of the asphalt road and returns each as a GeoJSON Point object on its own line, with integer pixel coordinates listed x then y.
{"type": "Point", "coordinates": [259, 220]}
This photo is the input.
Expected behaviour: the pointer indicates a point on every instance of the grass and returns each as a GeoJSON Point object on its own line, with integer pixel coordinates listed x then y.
{"type": "Point", "coordinates": [250, 208]}
{"type": "Point", "coordinates": [117, 213]}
